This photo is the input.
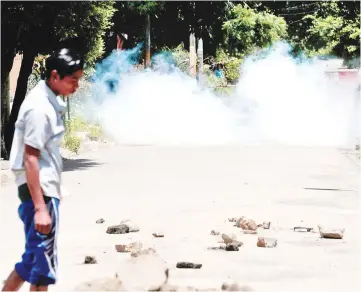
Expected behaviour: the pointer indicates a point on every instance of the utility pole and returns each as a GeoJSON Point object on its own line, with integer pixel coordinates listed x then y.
{"type": "Point", "coordinates": [147, 41]}
{"type": "Point", "coordinates": [200, 61]}
{"type": "Point", "coordinates": [192, 56]}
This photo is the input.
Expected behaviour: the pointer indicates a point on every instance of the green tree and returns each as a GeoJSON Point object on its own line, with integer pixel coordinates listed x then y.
{"type": "Point", "coordinates": [44, 26]}
{"type": "Point", "coordinates": [247, 30]}
{"type": "Point", "coordinates": [335, 29]}
{"type": "Point", "coordinates": [320, 27]}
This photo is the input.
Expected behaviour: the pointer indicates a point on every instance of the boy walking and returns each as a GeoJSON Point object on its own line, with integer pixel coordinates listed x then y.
{"type": "Point", "coordinates": [37, 164]}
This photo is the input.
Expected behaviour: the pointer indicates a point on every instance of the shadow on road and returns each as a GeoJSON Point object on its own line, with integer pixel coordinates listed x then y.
{"type": "Point", "coordinates": [78, 164]}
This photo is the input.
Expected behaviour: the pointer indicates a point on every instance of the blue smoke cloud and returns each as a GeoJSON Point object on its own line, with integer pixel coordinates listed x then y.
{"type": "Point", "coordinates": [108, 72]}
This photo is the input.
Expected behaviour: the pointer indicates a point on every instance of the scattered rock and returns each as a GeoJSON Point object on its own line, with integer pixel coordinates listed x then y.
{"type": "Point", "coordinates": [235, 287]}
{"type": "Point", "coordinates": [232, 247]}
{"type": "Point", "coordinates": [90, 260]}
{"type": "Point", "coordinates": [118, 229]}
{"type": "Point", "coordinates": [233, 219]}
{"type": "Point", "coordinates": [100, 221]}
{"type": "Point", "coordinates": [266, 242]}
{"type": "Point", "coordinates": [228, 238]}
{"type": "Point", "coordinates": [331, 233]}
{"type": "Point", "coordinates": [237, 243]}
{"type": "Point", "coordinates": [158, 234]}
{"type": "Point", "coordinates": [217, 247]}
{"type": "Point", "coordinates": [302, 229]}
{"type": "Point", "coordinates": [132, 227]}
{"type": "Point", "coordinates": [128, 247]}
{"type": "Point", "coordinates": [138, 252]}
{"type": "Point", "coordinates": [266, 225]}
{"type": "Point", "coordinates": [188, 265]}
{"type": "Point", "coordinates": [214, 232]}
{"type": "Point", "coordinates": [246, 224]}
{"type": "Point", "coordinates": [249, 231]}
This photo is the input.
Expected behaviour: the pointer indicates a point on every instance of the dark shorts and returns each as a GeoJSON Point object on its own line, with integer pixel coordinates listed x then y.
{"type": "Point", "coordinates": [39, 261]}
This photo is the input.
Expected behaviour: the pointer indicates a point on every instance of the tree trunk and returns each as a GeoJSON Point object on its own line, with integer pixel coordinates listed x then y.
{"type": "Point", "coordinates": [6, 65]}
{"type": "Point", "coordinates": [21, 87]}
{"type": "Point", "coordinates": [5, 110]}
{"type": "Point", "coordinates": [147, 41]}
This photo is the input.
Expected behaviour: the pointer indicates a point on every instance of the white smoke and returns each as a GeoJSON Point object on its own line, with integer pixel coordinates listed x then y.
{"type": "Point", "coordinates": [277, 100]}
{"type": "Point", "coordinates": [294, 102]}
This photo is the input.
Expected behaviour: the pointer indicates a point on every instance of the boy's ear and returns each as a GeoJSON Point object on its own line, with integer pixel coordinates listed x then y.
{"type": "Point", "coordinates": [54, 74]}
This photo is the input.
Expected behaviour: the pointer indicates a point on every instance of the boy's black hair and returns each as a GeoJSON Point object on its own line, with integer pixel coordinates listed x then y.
{"type": "Point", "coordinates": [65, 61]}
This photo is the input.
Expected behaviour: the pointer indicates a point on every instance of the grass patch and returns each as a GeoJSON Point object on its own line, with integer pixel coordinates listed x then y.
{"type": "Point", "coordinates": [72, 142]}
{"type": "Point", "coordinates": [76, 125]}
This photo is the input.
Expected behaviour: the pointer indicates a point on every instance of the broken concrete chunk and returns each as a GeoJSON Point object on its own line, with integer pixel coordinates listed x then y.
{"type": "Point", "coordinates": [266, 225]}
{"type": "Point", "coordinates": [266, 242]}
{"type": "Point", "coordinates": [188, 265]}
{"type": "Point", "coordinates": [90, 260]}
{"type": "Point", "coordinates": [232, 247]}
{"type": "Point", "coordinates": [302, 229]}
{"type": "Point", "coordinates": [331, 233]}
{"type": "Point", "coordinates": [139, 252]}
{"type": "Point", "coordinates": [246, 224]}
{"type": "Point", "coordinates": [228, 238]}
{"type": "Point", "coordinates": [132, 227]}
{"type": "Point", "coordinates": [128, 247]}
{"type": "Point", "coordinates": [118, 229]}
{"type": "Point", "coordinates": [158, 234]}
{"type": "Point", "coordinates": [214, 232]}
{"type": "Point", "coordinates": [100, 221]}
{"type": "Point", "coordinates": [237, 243]}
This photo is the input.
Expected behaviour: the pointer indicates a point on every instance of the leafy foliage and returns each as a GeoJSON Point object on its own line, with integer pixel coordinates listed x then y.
{"type": "Point", "coordinates": [246, 30]}
{"type": "Point", "coordinates": [333, 33]}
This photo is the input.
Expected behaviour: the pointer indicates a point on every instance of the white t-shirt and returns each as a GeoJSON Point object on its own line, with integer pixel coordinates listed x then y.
{"type": "Point", "coordinates": [40, 125]}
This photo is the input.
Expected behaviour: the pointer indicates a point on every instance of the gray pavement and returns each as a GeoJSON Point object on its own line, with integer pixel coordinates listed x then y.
{"type": "Point", "coordinates": [186, 192]}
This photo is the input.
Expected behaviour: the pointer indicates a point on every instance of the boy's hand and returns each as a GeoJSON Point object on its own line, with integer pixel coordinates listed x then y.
{"type": "Point", "coordinates": [42, 221]}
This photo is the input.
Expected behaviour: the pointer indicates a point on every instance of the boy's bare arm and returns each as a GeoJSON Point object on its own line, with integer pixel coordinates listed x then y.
{"type": "Point", "coordinates": [31, 163]}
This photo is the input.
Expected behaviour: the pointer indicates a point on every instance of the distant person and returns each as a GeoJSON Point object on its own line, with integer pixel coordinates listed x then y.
{"type": "Point", "coordinates": [112, 45]}
{"type": "Point", "coordinates": [219, 71]}
{"type": "Point", "coordinates": [37, 164]}
{"type": "Point", "coordinates": [120, 40]}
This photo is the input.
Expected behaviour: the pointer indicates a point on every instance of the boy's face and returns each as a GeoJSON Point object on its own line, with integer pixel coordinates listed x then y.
{"type": "Point", "coordinates": [67, 85]}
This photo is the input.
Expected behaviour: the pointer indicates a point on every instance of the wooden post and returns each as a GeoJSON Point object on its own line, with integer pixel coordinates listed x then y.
{"type": "Point", "coordinates": [192, 56]}
{"type": "Point", "coordinates": [200, 61]}
{"type": "Point", "coordinates": [147, 41]}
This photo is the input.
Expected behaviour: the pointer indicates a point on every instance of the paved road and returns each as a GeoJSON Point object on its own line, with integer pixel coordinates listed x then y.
{"type": "Point", "coordinates": [186, 192]}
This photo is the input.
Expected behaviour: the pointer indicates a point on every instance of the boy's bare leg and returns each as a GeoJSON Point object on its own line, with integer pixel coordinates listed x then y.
{"type": "Point", "coordinates": [38, 288]}
{"type": "Point", "coordinates": [13, 282]}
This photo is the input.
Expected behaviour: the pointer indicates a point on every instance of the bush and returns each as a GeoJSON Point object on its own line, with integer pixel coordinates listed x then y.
{"type": "Point", "coordinates": [232, 65]}
{"type": "Point", "coordinates": [232, 69]}
{"type": "Point", "coordinates": [180, 57]}
{"type": "Point", "coordinates": [72, 142]}
{"type": "Point", "coordinates": [76, 124]}
{"type": "Point", "coordinates": [95, 133]}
